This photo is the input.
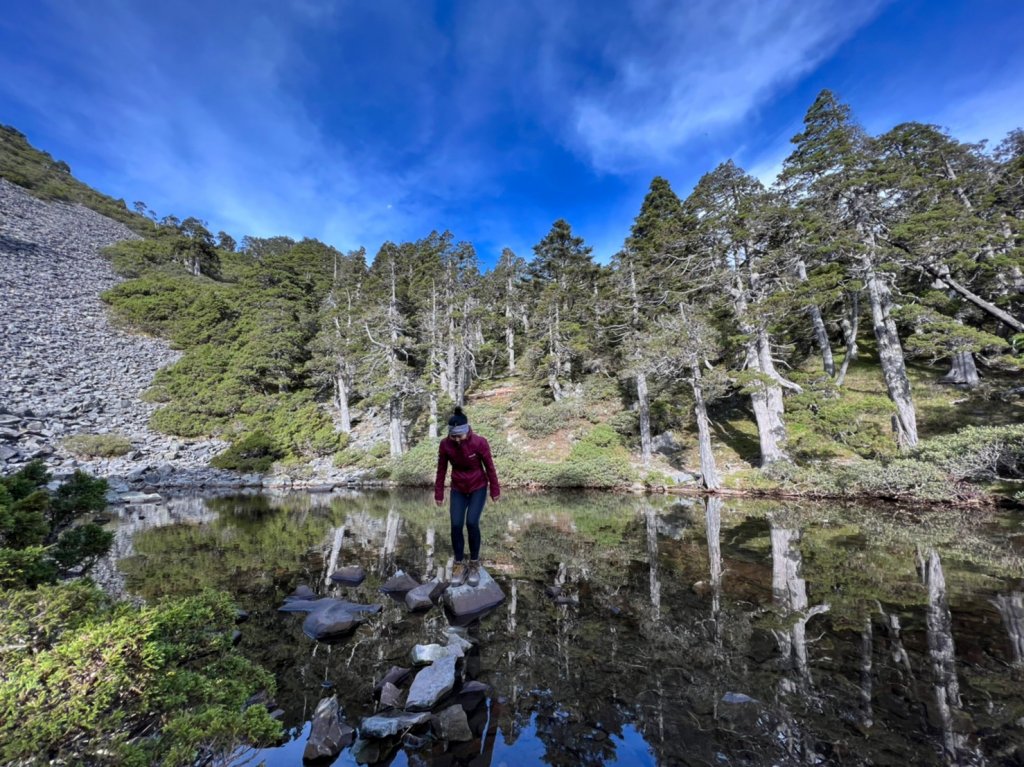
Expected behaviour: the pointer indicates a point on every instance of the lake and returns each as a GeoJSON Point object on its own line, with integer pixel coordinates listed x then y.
{"type": "Point", "coordinates": [691, 631]}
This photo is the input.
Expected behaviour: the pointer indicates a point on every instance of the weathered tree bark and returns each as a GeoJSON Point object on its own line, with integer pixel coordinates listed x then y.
{"type": "Point", "coordinates": [651, 529]}
{"type": "Point", "coordinates": [510, 337]}
{"type": "Point", "coordinates": [1011, 608]}
{"type": "Point", "coordinates": [890, 355]}
{"type": "Point", "coordinates": [395, 431]}
{"type": "Point", "coordinates": [942, 273]}
{"type": "Point", "coordinates": [432, 422]}
{"type": "Point", "coordinates": [818, 323]}
{"type": "Point", "coordinates": [962, 371]}
{"type": "Point", "coordinates": [851, 324]}
{"type": "Point", "coordinates": [644, 406]}
{"type": "Point", "coordinates": [708, 470]}
{"type": "Point", "coordinates": [790, 594]}
{"type": "Point", "coordinates": [713, 524]}
{"type": "Point", "coordinates": [332, 561]}
{"type": "Point", "coordinates": [866, 645]}
{"type": "Point", "coordinates": [765, 398]}
{"type": "Point", "coordinates": [341, 400]}
{"type": "Point", "coordinates": [556, 357]}
{"type": "Point", "coordinates": [939, 627]}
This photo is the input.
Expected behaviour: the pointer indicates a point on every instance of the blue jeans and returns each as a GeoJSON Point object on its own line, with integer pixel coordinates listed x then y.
{"type": "Point", "coordinates": [460, 504]}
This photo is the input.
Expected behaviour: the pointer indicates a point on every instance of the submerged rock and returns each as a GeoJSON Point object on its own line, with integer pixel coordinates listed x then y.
{"type": "Point", "coordinates": [329, 733]}
{"type": "Point", "coordinates": [396, 675]}
{"type": "Point", "coordinates": [399, 583]}
{"type": "Point", "coordinates": [390, 696]}
{"type": "Point", "coordinates": [452, 724]}
{"type": "Point", "coordinates": [468, 600]}
{"type": "Point", "coordinates": [329, 618]}
{"type": "Point", "coordinates": [389, 725]}
{"type": "Point", "coordinates": [352, 575]}
{"type": "Point", "coordinates": [335, 620]}
{"type": "Point", "coordinates": [301, 592]}
{"type": "Point", "coordinates": [431, 684]}
{"type": "Point", "coordinates": [424, 596]}
{"type": "Point", "coordinates": [422, 654]}
{"type": "Point", "coordinates": [472, 694]}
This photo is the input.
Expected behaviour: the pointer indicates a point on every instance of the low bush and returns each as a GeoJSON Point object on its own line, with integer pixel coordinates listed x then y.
{"type": "Point", "coordinates": [98, 445]}
{"type": "Point", "coordinates": [254, 453]}
{"type": "Point", "coordinates": [977, 453]}
{"type": "Point", "coordinates": [538, 420]}
{"type": "Point", "coordinates": [85, 681]}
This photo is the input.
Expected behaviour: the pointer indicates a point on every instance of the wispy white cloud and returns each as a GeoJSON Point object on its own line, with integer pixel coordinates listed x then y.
{"type": "Point", "coordinates": [683, 70]}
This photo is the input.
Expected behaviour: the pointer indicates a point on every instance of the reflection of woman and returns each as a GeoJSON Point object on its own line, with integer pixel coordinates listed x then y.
{"type": "Point", "coordinates": [472, 473]}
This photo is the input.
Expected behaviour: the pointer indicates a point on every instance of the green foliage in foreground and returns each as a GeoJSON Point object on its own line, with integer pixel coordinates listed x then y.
{"type": "Point", "coordinates": [596, 460]}
{"type": "Point", "coordinates": [37, 540]}
{"type": "Point", "coordinates": [157, 685]}
{"type": "Point", "coordinates": [977, 453]}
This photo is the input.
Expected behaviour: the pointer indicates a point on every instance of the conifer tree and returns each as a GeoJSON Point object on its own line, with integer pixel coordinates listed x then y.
{"type": "Point", "coordinates": [833, 169]}
{"type": "Point", "coordinates": [564, 279]}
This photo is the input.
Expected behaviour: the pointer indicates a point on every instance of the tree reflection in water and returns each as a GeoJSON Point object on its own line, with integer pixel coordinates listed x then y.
{"type": "Point", "coordinates": [706, 632]}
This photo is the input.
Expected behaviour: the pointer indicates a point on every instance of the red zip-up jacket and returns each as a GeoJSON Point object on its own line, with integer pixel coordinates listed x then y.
{"type": "Point", "coordinates": [472, 466]}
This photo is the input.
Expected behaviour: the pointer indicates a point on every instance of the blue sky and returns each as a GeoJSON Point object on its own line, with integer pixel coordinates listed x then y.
{"type": "Point", "coordinates": [359, 122]}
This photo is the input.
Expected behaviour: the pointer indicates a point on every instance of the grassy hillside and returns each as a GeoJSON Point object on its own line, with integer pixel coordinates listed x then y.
{"type": "Point", "coordinates": [50, 179]}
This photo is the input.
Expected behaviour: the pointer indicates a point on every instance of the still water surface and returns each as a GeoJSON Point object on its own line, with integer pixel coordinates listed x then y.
{"type": "Point", "coordinates": [705, 633]}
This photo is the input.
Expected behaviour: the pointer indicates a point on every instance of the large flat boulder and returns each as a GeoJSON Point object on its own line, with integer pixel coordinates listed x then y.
{"type": "Point", "coordinates": [391, 724]}
{"type": "Point", "coordinates": [431, 684]}
{"type": "Point", "coordinates": [466, 600]}
{"type": "Point", "coordinates": [329, 733]}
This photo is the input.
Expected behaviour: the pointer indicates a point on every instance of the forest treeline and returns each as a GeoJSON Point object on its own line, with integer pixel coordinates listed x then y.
{"type": "Point", "coordinates": [901, 246]}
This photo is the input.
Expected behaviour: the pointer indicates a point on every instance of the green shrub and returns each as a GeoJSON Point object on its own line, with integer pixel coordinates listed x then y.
{"type": "Point", "coordinates": [98, 445]}
{"type": "Point", "coordinates": [26, 568]}
{"type": "Point", "coordinates": [538, 420]}
{"type": "Point", "coordinates": [597, 460]}
{"type": "Point", "coordinates": [417, 466]}
{"type": "Point", "coordinates": [81, 547]}
{"type": "Point", "coordinates": [253, 453]}
{"type": "Point", "coordinates": [977, 453]}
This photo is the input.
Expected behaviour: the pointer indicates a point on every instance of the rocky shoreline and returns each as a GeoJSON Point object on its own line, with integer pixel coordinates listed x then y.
{"type": "Point", "coordinates": [66, 369]}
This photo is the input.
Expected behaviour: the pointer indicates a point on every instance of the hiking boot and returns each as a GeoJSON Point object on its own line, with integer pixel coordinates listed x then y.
{"type": "Point", "coordinates": [473, 578]}
{"type": "Point", "coordinates": [458, 574]}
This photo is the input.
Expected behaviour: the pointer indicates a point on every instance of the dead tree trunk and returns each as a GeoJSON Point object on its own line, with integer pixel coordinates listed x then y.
{"type": "Point", "coordinates": [818, 323]}
{"type": "Point", "coordinates": [890, 355]}
{"type": "Point", "coordinates": [644, 406]}
{"type": "Point", "coordinates": [962, 371]}
{"type": "Point", "coordinates": [851, 324]}
{"type": "Point", "coordinates": [708, 470]}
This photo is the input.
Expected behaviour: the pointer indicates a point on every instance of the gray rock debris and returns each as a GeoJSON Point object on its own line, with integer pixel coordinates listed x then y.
{"type": "Point", "coordinates": [329, 733]}
{"type": "Point", "coordinates": [67, 369]}
{"type": "Point", "coordinates": [431, 684]}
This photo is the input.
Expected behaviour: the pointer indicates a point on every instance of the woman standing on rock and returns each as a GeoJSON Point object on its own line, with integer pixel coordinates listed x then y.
{"type": "Point", "coordinates": [472, 472]}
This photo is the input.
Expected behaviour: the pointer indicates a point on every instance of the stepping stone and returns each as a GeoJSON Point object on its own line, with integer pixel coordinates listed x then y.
{"type": "Point", "coordinates": [301, 592]}
{"type": "Point", "coordinates": [468, 600]}
{"type": "Point", "coordinates": [424, 596]}
{"type": "Point", "coordinates": [431, 684]}
{"type": "Point", "coordinates": [329, 618]}
{"type": "Point", "coordinates": [399, 583]}
{"type": "Point", "coordinates": [349, 576]}
{"type": "Point", "coordinates": [472, 694]}
{"type": "Point", "coordinates": [390, 696]}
